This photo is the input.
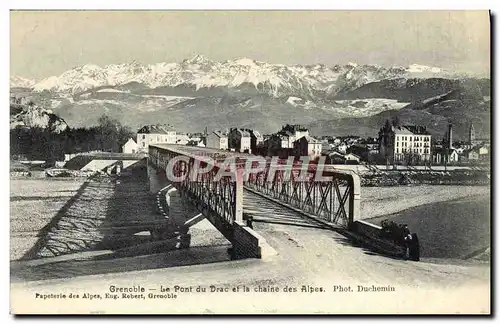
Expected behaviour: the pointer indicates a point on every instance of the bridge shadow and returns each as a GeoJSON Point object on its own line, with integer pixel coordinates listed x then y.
{"type": "Point", "coordinates": [291, 222]}
{"type": "Point", "coordinates": [94, 236]}
{"type": "Point", "coordinates": [44, 231]}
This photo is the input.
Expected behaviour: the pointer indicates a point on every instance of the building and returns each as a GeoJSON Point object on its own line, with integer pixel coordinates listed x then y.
{"type": "Point", "coordinates": [277, 145]}
{"type": "Point", "coordinates": [239, 140]}
{"type": "Point", "coordinates": [155, 134]}
{"type": "Point", "coordinates": [352, 158]}
{"type": "Point", "coordinates": [484, 150]}
{"type": "Point", "coordinates": [130, 146]}
{"type": "Point", "coordinates": [218, 140]}
{"type": "Point", "coordinates": [256, 140]}
{"type": "Point", "coordinates": [182, 139]}
{"type": "Point", "coordinates": [307, 146]}
{"type": "Point", "coordinates": [335, 158]}
{"type": "Point", "coordinates": [472, 155]}
{"type": "Point", "coordinates": [445, 156]}
{"type": "Point", "coordinates": [195, 142]}
{"type": "Point", "coordinates": [294, 132]}
{"type": "Point", "coordinates": [473, 140]}
{"type": "Point", "coordinates": [405, 144]}
{"type": "Point", "coordinates": [282, 143]}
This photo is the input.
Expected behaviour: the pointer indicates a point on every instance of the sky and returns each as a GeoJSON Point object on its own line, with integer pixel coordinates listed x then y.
{"type": "Point", "coordinates": [46, 43]}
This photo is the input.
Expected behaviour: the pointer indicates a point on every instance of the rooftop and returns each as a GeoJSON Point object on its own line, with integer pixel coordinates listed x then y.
{"type": "Point", "coordinates": [417, 129]}
{"type": "Point", "coordinates": [310, 139]}
{"type": "Point", "coordinates": [155, 129]}
{"type": "Point", "coordinates": [220, 133]}
{"type": "Point", "coordinates": [243, 132]}
{"type": "Point", "coordinates": [294, 128]}
{"type": "Point", "coordinates": [402, 130]}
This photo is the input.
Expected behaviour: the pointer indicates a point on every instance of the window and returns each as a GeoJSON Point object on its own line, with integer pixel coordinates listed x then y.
{"type": "Point", "coordinates": [143, 144]}
{"type": "Point", "coordinates": [143, 136]}
{"type": "Point", "coordinates": [397, 144]}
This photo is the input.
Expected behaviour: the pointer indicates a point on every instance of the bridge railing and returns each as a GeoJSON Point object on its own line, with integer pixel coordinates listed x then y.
{"type": "Point", "coordinates": [218, 197]}
{"type": "Point", "coordinates": [336, 201]}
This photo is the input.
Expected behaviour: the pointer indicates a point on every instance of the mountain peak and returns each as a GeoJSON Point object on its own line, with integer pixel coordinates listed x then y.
{"type": "Point", "coordinates": [423, 68]}
{"type": "Point", "coordinates": [21, 82]}
{"type": "Point", "coordinates": [244, 61]}
{"type": "Point", "coordinates": [196, 59]}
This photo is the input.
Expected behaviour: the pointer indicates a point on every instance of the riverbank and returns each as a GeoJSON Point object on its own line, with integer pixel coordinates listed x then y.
{"type": "Point", "coordinates": [455, 229]}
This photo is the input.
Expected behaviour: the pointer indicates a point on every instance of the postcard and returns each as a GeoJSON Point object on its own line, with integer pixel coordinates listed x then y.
{"type": "Point", "coordinates": [250, 162]}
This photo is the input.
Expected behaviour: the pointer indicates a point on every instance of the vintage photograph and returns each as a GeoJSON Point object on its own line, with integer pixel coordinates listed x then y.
{"type": "Point", "coordinates": [250, 162]}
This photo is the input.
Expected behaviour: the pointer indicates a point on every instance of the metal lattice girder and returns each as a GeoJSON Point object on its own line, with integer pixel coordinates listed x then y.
{"type": "Point", "coordinates": [337, 201]}
{"type": "Point", "coordinates": [220, 200]}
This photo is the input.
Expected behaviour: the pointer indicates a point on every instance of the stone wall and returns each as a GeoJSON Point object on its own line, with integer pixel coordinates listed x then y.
{"type": "Point", "coordinates": [249, 244]}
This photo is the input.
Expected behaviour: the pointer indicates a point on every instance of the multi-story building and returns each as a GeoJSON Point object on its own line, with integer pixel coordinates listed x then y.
{"type": "Point", "coordinates": [256, 140]}
{"type": "Point", "coordinates": [240, 140]}
{"type": "Point", "coordinates": [406, 144]}
{"type": "Point", "coordinates": [155, 134]}
{"type": "Point", "coordinates": [282, 143]}
{"type": "Point", "coordinates": [294, 132]}
{"type": "Point", "coordinates": [307, 146]}
{"type": "Point", "coordinates": [218, 140]}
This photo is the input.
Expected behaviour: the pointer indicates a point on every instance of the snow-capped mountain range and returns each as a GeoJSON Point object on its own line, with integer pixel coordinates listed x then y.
{"type": "Point", "coordinates": [21, 82]}
{"type": "Point", "coordinates": [201, 73]}
{"type": "Point", "coordinates": [198, 93]}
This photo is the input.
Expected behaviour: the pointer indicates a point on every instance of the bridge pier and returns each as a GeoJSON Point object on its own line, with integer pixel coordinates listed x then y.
{"type": "Point", "coordinates": [179, 215]}
{"type": "Point", "coordinates": [157, 179]}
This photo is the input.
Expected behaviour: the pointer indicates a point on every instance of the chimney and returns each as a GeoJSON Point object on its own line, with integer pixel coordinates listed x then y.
{"type": "Point", "coordinates": [450, 136]}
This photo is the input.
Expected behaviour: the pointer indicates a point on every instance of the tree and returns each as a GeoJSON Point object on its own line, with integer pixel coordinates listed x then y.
{"type": "Point", "coordinates": [112, 134]}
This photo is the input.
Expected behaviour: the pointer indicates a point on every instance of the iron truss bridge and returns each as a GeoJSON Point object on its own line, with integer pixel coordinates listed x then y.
{"type": "Point", "coordinates": [219, 196]}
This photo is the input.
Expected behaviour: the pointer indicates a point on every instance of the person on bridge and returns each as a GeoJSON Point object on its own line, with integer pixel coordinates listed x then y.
{"type": "Point", "coordinates": [407, 240]}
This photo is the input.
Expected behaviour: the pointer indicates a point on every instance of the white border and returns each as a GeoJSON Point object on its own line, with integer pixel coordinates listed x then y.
{"type": "Point", "coordinates": [203, 5]}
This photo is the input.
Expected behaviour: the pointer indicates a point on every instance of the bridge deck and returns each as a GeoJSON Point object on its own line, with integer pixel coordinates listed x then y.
{"type": "Point", "coordinates": [266, 211]}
